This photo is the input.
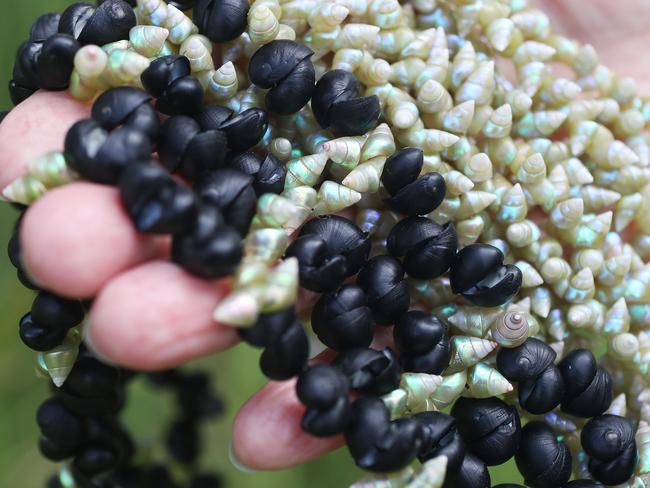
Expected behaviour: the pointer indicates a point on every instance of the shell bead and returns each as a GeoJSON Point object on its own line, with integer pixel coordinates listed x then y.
{"type": "Point", "coordinates": [423, 342]}
{"type": "Point", "coordinates": [324, 391]}
{"type": "Point", "coordinates": [109, 22]}
{"type": "Point", "coordinates": [342, 319]}
{"type": "Point", "coordinates": [588, 386]}
{"type": "Point", "coordinates": [221, 20]}
{"type": "Point", "coordinates": [168, 79]}
{"type": "Point", "coordinates": [284, 67]}
{"type": "Point", "coordinates": [370, 371]}
{"type": "Point", "coordinates": [542, 459]}
{"type": "Point", "coordinates": [387, 295]}
{"type": "Point", "coordinates": [440, 438]}
{"type": "Point", "coordinates": [337, 105]}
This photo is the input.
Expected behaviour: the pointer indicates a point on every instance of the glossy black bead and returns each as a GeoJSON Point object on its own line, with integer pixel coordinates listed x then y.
{"type": "Point", "coordinates": [245, 129]}
{"type": "Point", "coordinates": [336, 104]}
{"type": "Point", "coordinates": [195, 396]}
{"type": "Point", "coordinates": [232, 193]}
{"type": "Point", "coordinates": [588, 387]}
{"type": "Point", "coordinates": [44, 26]}
{"type": "Point", "coordinates": [27, 62]}
{"type": "Point", "coordinates": [342, 319]}
{"type": "Point", "coordinates": [423, 342]}
{"type": "Point", "coordinates": [18, 91]}
{"type": "Point", "coordinates": [479, 275]}
{"type": "Point", "coordinates": [369, 371]}
{"type": "Point", "coordinates": [52, 311]}
{"type": "Point", "coordinates": [490, 428]}
{"type": "Point", "coordinates": [609, 442]}
{"type": "Point", "coordinates": [155, 202]}
{"type": "Point", "coordinates": [213, 116]}
{"type": "Point", "coordinates": [183, 441]}
{"type": "Point", "coordinates": [96, 458]}
{"type": "Point", "coordinates": [109, 22]}
{"type": "Point", "coordinates": [473, 473]}
{"type": "Point", "coordinates": [101, 156]}
{"type": "Point", "coordinates": [91, 378]}
{"type": "Point", "coordinates": [324, 391]}
{"type": "Point", "coordinates": [329, 249]}
{"type": "Point", "coordinates": [182, 4]}
{"type": "Point", "coordinates": [59, 425]}
{"type": "Point", "coordinates": [440, 437]}
{"type": "Point", "coordinates": [221, 20]}
{"type": "Point", "coordinates": [245, 161]}
{"type": "Point", "coordinates": [543, 460]}
{"type": "Point", "coordinates": [128, 106]}
{"type": "Point", "coordinates": [287, 355]}
{"type": "Point", "coordinates": [54, 451]}
{"type": "Point", "coordinates": [271, 176]}
{"type": "Point", "coordinates": [376, 443]}
{"type": "Point", "coordinates": [401, 168]}
{"type": "Point", "coordinates": [382, 279]}
{"type": "Point", "coordinates": [39, 337]}
{"type": "Point", "coordinates": [428, 249]}
{"type": "Point", "coordinates": [211, 249]}
{"type": "Point", "coordinates": [183, 147]}
{"type": "Point", "coordinates": [56, 61]}
{"type": "Point", "coordinates": [420, 197]}
{"type": "Point", "coordinates": [284, 68]}
{"type": "Point", "coordinates": [531, 365]}
{"type": "Point", "coordinates": [168, 79]}
{"type": "Point", "coordinates": [268, 327]}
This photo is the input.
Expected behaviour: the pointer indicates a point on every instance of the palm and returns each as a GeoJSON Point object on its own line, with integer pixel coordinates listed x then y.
{"type": "Point", "coordinates": [78, 242]}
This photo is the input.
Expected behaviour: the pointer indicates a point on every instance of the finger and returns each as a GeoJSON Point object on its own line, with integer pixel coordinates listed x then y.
{"type": "Point", "coordinates": [36, 126]}
{"type": "Point", "coordinates": [156, 316]}
{"type": "Point", "coordinates": [267, 433]}
{"type": "Point", "coordinates": [76, 238]}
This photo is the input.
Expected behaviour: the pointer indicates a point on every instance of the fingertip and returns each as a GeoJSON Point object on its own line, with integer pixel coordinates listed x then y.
{"type": "Point", "coordinates": [34, 127]}
{"type": "Point", "coordinates": [157, 316]}
{"type": "Point", "coordinates": [267, 433]}
{"type": "Point", "coordinates": [77, 237]}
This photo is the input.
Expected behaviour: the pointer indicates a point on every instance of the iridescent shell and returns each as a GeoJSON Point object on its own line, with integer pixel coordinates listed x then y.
{"type": "Point", "coordinates": [511, 328]}
{"type": "Point", "coordinates": [449, 389]}
{"type": "Point", "coordinates": [305, 171]}
{"type": "Point", "coordinates": [148, 40]}
{"type": "Point", "coordinates": [467, 351]}
{"type": "Point", "coordinates": [474, 321]}
{"type": "Point", "coordinates": [513, 207]}
{"type": "Point", "coordinates": [60, 360]}
{"type": "Point", "coordinates": [333, 197]}
{"type": "Point", "coordinates": [484, 381]}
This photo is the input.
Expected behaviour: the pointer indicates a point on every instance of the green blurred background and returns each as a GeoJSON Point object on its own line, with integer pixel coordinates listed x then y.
{"type": "Point", "coordinates": [21, 391]}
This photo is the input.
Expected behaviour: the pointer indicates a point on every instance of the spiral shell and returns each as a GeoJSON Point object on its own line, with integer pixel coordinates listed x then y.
{"type": "Point", "coordinates": [344, 151]}
{"type": "Point", "coordinates": [198, 50]}
{"type": "Point", "coordinates": [333, 197]}
{"type": "Point", "coordinates": [467, 351]}
{"type": "Point", "coordinates": [484, 381]}
{"type": "Point", "coordinates": [419, 387]}
{"type": "Point", "coordinates": [305, 171]}
{"type": "Point", "coordinates": [479, 85]}
{"type": "Point", "coordinates": [263, 25]}
{"type": "Point", "coordinates": [499, 123]}
{"type": "Point", "coordinates": [511, 329]}
{"type": "Point", "coordinates": [148, 40]}
{"type": "Point", "coordinates": [433, 97]}
{"type": "Point", "coordinates": [60, 360]}
{"type": "Point", "coordinates": [365, 178]}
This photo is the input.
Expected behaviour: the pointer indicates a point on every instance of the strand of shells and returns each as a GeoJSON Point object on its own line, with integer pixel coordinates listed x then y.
{"type": "Point", "coordinates": [552, 170]}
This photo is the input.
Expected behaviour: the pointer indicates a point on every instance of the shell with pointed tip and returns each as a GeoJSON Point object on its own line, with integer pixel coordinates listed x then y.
{"type": "Point", "coordinates": [511, 328]}
{"type": "Point", "coordinates": [484, 381]}
{"type": "Point", "coordinates": [467, 351]}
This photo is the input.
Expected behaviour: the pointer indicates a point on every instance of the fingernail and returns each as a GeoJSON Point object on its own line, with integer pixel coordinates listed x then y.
{"type": "Point", "coordinates": [237, 463]}
{"type": "Point", "coordinates": [91, 345]}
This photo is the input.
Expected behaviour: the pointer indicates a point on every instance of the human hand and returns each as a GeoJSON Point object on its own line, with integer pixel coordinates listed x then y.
{"type": "Point", "coordinates": [150, 314]}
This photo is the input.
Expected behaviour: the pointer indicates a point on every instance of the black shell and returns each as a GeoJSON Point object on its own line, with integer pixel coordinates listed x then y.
{"type": "Point", "coordinates": [382, 278]}
{"type": "Point", "coordinates": [428, 249]}
{"type": "Point", "coordinates": [440, 437]}
{"type": "Point", "coordinates": [211, 249]}
{"type": "Point", "coordinates": [182, 4]}
{"type": "Point", "coordinates": [543, 460]}
{"type": "Point", "coordinates": [246, 129]}
{"type": "Point", "coordinates": [60, 425]}
{"type": "Point", "coordinates": [270, 177]}
{"type": "Point", "coordinates": [283, 67]}
{"type": "Point", "coordinates": [126, 106]}
{"type": "Point", "coordinates": [27, 64]}
{"type": "Point", "coordinates": [221, 20]}
{"type": "Point", "coordinates": [473, 473]}
{"type": "Point", "coordinates": [324, 391]}
{"type": "Point", "coordinates": [420, 197]}
{"type": "Point", "coordinates": [44, 26]}
{"type": "Point", "coordinates": [49, 310]}
{"type": "Point", "coordinates": [232, 193]}
{"type": "Point", "coordinates": [329, 249]}
{"type": "Point", "coordinates": [168, 79]}
{"type": "Point", "coordinates": [101, 156]}
{"type": "Point", "coordinates": [183, 441]}
{"type": "Point", "coordinates": [176, 134]}
{"type": "Point", "coordinates": [423, 342]}
{"type": "Point", "coordinates": [609, 442]}
{"type": "Point", "coordinates": [490, 428]}
{"type": "Point", "coordinates": [92, 379]}
{"type": "Point", "coordinates": [287, 355]}
{"type": "Point", "coordinates": [369, 371]}
{"type": "Point", "coordinates": [96, 458]}
{"type": "Point", "coordinates": [56, 61]}
{"type": "Point", "coordinates": [39, 337]}
{"type": "Point", "coordinates": [336, 104]}
{"type": "Point", "coordinates": [531, 364]}
{"type": "Point", "coordinates": [376, 443]}
{"type": "Point", "coordinates": [245, 161]}
{"type": "Point", "coordinates": [109, 22]}
{"type": "Point", "coordinates": [155, 202]}
{"type": "Point", "coordinates": [588, 387]}
{"type": "Point", "coordinates": [342, 319]}
{"type": "Point", "coordinates": [268, 327]}
{"type": "Point", "coordinates": [402, 168]}
{"type": "Point", "coordinates": [212, 116]}
{"type": "Point", "coordinates": [479, 275]}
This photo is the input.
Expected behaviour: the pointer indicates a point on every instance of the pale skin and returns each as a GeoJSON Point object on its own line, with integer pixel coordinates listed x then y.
{"type": "Point", "coordinates": [148, 313]}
